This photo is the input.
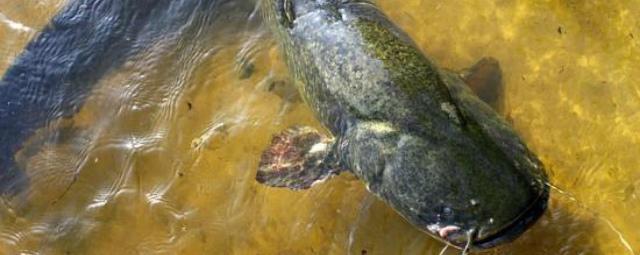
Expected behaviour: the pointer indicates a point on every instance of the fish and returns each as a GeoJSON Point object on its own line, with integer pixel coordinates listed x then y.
{"type": "Point", "coordinates": [416, 135]}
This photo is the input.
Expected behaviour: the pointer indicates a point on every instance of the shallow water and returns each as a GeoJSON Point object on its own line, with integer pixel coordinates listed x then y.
{"type": "Point", "coordinates": [161, 158]}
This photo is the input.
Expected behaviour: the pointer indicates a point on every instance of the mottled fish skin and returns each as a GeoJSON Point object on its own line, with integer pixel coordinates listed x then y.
{"type": "Point", "coordinates": [406, 128]}
{"type": "Point", "coordinates": [86, 40]}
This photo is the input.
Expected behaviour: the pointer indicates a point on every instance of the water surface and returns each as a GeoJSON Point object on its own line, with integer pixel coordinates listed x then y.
{"type": "Point", "coordinates": [161, 157]}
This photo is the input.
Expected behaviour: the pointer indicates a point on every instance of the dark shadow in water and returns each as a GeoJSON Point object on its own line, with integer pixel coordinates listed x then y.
{"type": "Point", "coordinates": [60, 67]}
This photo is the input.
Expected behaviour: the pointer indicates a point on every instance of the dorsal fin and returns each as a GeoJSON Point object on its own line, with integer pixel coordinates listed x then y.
{"type": "Point", "coordinates": [485, 80]}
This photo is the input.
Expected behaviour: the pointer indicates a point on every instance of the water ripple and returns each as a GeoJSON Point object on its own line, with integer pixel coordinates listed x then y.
{"type": "Point", "coordinates": [15, 25]}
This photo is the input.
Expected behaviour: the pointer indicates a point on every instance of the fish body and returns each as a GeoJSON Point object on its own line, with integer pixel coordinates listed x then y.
{"type": "Point", "coordinates": [414, 134]}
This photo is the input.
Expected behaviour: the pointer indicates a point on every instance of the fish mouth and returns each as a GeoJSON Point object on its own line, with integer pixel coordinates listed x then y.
{"type": "Point", "coordinates": [518, 226]}
{"type": "Point", "coordinates": [459, 238]}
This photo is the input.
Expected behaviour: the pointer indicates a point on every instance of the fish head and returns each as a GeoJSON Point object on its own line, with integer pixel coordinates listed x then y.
{"type": "Point", "coordinates": [460, 189]}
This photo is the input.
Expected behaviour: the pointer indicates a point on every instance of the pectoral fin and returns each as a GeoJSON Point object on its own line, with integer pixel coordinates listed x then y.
{"type": "Point", "coordinates": [297, 158]}
{"type": "Point", "coordinates": [485, 80]}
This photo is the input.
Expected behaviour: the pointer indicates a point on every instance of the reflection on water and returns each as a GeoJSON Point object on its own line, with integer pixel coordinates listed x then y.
{"type": "Point", "coordinates": [161, 157]}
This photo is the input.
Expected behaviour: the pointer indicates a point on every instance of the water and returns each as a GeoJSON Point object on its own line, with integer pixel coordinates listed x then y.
{"type": "Point", "coordinates": [161, 157]}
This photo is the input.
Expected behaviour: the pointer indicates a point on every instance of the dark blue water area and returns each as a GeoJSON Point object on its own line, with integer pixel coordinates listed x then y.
{"type": "Point", "coordinates": [57, 71]}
